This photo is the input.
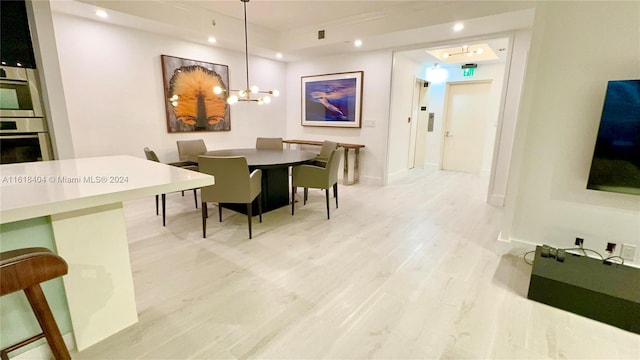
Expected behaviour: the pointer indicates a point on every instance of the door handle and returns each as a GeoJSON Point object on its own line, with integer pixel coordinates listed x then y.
{"type": "Point", "coordinates": [448, 134]}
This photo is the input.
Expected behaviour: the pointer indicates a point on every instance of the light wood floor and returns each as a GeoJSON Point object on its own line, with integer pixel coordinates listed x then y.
{"type": "Point", "coordinates": [405, 271]}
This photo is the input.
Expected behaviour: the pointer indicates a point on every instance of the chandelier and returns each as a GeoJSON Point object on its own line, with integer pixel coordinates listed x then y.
{"type": "Point", "coordinates": [249, 93]}
{"type": "Point", "coordinates": [465, 51]}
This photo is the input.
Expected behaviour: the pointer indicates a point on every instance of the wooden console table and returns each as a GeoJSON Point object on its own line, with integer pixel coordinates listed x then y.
{"type": "Point", "coordinates": [347, 147]}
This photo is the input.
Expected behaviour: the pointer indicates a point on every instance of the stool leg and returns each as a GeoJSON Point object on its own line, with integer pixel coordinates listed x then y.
{"type": "Point", "coordinates": [48, 324]}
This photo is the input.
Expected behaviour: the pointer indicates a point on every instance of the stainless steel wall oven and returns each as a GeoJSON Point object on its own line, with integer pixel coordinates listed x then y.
{"type": "Point", "coordinates": [24, 135]}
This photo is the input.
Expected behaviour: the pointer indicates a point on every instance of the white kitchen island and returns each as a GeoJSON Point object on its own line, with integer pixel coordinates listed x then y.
{"type": "Point", "coordinates": [84, 200]}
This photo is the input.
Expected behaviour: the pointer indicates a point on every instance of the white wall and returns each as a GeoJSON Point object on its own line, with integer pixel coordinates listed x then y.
{"type": "Point", "coordinates": [375, 107]}
{"type": "Point", "coordinates": [519, 42]}
{"type": "Point", "coordinates": [561, 106]}
{"type": "Point", "coordinates": [114, 90]}
{"type": "Point", "coordinates": [405, 72]}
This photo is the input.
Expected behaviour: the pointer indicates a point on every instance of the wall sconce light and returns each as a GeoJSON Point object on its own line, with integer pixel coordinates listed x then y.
{"type": "Point", "coordinates": [436, 74]}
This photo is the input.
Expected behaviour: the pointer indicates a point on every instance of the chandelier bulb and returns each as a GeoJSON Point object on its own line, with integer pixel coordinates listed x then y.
{"type": "Point", "coordinates": [275, 92]}
{"type": "Point", "coordinates": [266, 100]}
{"type": "Point", "coordinates": [255, 89]}
{"type": "Point", "coordinates": [217, 90]}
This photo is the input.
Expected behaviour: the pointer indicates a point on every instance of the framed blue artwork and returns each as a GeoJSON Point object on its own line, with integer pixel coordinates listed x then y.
{"type": "Point", "coordinates": [332, 100]}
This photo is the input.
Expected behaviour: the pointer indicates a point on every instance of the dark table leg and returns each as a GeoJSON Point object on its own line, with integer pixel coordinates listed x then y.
{"type": "Point", "coordinates": [275, 191]}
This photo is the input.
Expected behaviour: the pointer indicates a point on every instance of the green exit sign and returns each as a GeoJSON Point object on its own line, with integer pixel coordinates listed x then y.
{"type": "Point", "coordinates": [468, 72]}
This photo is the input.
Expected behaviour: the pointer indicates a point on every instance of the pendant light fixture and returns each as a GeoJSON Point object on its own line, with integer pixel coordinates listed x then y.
{"type": "Point", "coordinates": [249, 93]}
{"type": "Point", "coordinates": [465, 52]}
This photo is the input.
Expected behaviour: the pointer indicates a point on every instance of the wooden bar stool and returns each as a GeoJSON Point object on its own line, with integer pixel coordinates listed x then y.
{"type": "Point", "coordinates": [24, 269]}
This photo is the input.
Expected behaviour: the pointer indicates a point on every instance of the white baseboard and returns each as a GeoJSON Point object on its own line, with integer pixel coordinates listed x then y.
{"type": "Point", "coordinates": [369, 180]}
{"type": "Point", "coordinates": [43, 352]}
{"type": "Point", "coordinates": [512, 246]}
{"type": "Point", "coordinates": [496, 200]}
{"type": "Point", "coordinates": [509, 246]}
{"type": "Point", "coordinates": [397, 175]}
{"type": "Point", "coordinates": [519, 247]}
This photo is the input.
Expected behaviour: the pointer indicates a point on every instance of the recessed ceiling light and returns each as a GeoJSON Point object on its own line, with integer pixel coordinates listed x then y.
{"type": "Point", "coordinates": [279, 55]}
{"type": "Point", "coordinates": [357, 43]}
{"type": "Point", "coordinates": [102, 14]}
{"type": "Point", "coordinates": [212, 40]}
{"type": "Point", "coordinates": [458, 27]}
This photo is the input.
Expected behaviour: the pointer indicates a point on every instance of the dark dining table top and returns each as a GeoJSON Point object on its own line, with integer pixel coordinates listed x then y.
{"type": "Point", "coordinates": [260, 158]}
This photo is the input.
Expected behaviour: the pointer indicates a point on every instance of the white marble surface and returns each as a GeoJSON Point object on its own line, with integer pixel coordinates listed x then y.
{"type": "Point", "coordinates": [29, 190]}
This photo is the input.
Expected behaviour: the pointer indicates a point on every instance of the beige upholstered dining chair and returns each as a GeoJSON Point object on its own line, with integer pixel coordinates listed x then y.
{"type": "Point", "coordinates": [151, 155]}
{"type": "Point", "coordinates": [325, 151]}
{"type": "Point", "coordinates": [317, 177]}
{"type": "Point", "coordinates": [189, 150]}
{"type": "Point", "coordinates": [233, 184]}
{"type": "Point", "coordinates": [269, 143]}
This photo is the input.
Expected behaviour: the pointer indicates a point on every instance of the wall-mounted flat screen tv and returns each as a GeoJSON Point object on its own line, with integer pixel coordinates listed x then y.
{"type": "Point", "coordinates": [616, 159]}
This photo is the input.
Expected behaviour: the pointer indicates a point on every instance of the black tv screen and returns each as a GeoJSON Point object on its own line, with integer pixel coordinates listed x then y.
{"type": "Point", "coordinates": [616, 159]}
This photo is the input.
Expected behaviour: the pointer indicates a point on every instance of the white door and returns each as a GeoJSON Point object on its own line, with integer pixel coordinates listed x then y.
{"type": "Point", "coordinates": [465, 127]}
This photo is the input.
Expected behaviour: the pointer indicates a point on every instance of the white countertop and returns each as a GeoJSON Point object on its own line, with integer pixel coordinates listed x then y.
{"type": "Point", "coordinates": [29, 190]}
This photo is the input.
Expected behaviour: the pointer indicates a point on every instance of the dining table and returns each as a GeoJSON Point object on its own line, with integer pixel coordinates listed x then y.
{"type": "Point", "coordinates": [275, 174]}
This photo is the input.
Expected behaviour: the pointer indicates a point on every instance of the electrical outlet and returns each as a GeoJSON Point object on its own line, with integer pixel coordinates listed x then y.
{"type": "Point", "coordinates": [611, 248]}
{"type": "Point", "coordinates": [628, 252]}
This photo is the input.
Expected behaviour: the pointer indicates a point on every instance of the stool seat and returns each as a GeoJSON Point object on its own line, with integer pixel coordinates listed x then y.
{"type": "Point", "coordinates": [24, 269]}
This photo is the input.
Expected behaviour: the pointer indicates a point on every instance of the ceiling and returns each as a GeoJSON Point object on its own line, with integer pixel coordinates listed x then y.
{"type": "Point", "coordinates": [284, 16]}
{"type": "Point", "coordinates": [497, 46]}
{"type": "Point", "coordinates": [291, 27]}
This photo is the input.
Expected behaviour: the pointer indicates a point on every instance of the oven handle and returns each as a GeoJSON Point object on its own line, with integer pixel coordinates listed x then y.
{"type": "Point", "coordinates": [13, 82]}
{"type": "Point", "coordinates": [13, 137]}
